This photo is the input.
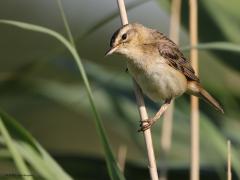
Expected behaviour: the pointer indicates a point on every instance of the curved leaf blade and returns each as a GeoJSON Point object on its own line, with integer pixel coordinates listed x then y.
{"type": "Point", "coordinates": [112, 166]}
{"type": "Point", "coordinates": [21, 165]}
{"type": "Point", "coordinates": [25, 144]}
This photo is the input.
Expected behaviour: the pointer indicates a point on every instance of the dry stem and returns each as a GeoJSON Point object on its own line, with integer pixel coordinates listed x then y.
{"type": "Point", "coordinates": [122, 153]}
{"type": "Point", "coordinates": [194, 100]}
{"type": "Point", "coordinates": [166, 138]}
{"type": "Point", "coordinates": [229, 173]}
{"type": "Point", "coordinates": [141, 108]}
{"type": "Point", "coordinates": [174, 35]}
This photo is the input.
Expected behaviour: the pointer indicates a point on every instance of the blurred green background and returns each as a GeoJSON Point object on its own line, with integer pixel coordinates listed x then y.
{"type": "Point", "coordinates": [40, 86]}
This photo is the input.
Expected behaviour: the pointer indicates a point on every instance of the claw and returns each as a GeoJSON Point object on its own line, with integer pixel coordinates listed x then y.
{"type": "Point", "coordinates": [146, 121]}
{"type": "Point", "coordinates": [146, 124]}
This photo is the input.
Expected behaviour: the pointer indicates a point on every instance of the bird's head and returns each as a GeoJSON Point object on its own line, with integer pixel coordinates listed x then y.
{"type": "Point", "coordinates": [128, 38]}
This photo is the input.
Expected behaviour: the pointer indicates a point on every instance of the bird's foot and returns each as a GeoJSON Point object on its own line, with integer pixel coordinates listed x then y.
{"type": "Point", "coordinates": [146, 124]}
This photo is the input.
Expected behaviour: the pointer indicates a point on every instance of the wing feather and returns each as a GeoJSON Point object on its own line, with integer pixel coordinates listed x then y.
{"type": "Point", "coordinates": [175, 58]}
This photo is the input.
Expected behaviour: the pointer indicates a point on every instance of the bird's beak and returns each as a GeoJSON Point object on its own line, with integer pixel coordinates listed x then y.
{"type": "Point", "coordinates": [111, 50]}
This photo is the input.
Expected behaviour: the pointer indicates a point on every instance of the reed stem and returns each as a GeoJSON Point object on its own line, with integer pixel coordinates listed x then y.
{"type": "Point", "coordinates": [229, 161]}
{"type": "Point", "coordinates": [194, 100]}
{"type": "Point", "coordinates": [166, 137]}
{"type": "Point", "coordinates": [122, 153]}
{"type": "Point", "coordinates": [141, 108]}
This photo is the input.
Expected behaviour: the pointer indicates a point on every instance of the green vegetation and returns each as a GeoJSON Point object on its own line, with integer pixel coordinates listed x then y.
{"type": "Point", "coordinates": [41, 88]}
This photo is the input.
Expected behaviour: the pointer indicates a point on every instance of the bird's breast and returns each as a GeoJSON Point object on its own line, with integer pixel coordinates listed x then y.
{"type": "Point", "coordinates": [158, 80]}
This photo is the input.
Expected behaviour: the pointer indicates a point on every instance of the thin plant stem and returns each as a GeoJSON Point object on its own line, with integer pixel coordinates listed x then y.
{"type": "Point", "coordinates": [194, 100]}
{"type": "Point", "coordinates": [108, 18]}
{"type": "Point", "coordinates": [229, 161]}
{"type": "Point", "coordinates": [21, 165]}
{"type": "Point", "coordinates": [65, 22]}
{"type": "Point", "coordinates": [110, 159]}
{"type": "Point", "coordinates": [175, 20]}
{"type": "Point", "coordinates": [166, 137]}
{"type": "Point", "coordinates": [122, 153]}
{"type": "Point", "coordinates": [141, 108]}
{"type": "Point", "coordinates": [112, 166]}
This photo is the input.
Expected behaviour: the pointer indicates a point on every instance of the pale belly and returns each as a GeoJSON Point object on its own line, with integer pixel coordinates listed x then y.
{"type": "Point", "coordinates": [159, 81]}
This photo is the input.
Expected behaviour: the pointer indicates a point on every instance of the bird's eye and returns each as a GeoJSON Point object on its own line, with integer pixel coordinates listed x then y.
{"type": "Point", "coordinates": [124, 36]}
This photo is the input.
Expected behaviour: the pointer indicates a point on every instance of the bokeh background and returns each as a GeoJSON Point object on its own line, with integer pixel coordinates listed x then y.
{"type": "Point", "coordinates": [41, 87]}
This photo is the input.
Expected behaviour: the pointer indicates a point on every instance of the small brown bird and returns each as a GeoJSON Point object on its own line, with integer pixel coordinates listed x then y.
{"type": "Point", "coordinates": [158, 66]}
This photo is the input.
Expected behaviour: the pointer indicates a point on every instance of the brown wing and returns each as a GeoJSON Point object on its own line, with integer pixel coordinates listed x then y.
{"type": "Point", "coordinates": [175, 58]}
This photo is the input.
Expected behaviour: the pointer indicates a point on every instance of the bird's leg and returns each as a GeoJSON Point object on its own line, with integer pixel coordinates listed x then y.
{"type": "Point", "coordinates": [146, 124]}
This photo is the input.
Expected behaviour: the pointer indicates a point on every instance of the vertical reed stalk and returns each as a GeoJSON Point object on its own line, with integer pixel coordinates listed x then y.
{"type": "Point", "coordinates": [122, 153]}
{"type": "Point", "coordinates": [194, 100]}
{"type": "Point", "coordinates": [166, 137]}
{"type": "Point", "coordinates": [141, 107]}
{"type": "Point", "coordinates": [229, 161]}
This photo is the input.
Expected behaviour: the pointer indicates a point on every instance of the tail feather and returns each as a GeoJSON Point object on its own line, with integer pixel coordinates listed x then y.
{"type": "Point", "coordinates": [196, 90]}
{"type": "Point", "coordinates": [209, 99]}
